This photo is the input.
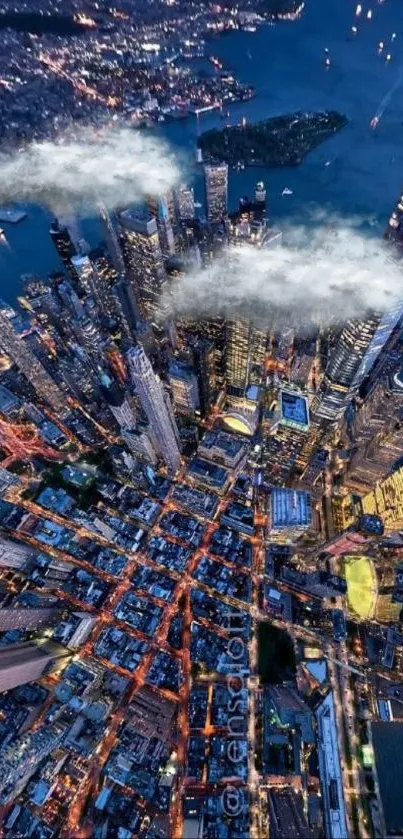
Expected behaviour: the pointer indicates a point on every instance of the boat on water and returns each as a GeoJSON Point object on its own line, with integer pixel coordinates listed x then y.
{"type": "Point", "coordinates": [287, 191]}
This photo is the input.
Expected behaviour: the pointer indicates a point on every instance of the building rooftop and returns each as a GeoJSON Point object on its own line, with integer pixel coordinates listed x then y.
{"type": "Point", "coordinates": [290, 508]}
{"type": "Point", "coordinates": [294, 409]}
{"type": "Point", "coordinates": [388, 748]}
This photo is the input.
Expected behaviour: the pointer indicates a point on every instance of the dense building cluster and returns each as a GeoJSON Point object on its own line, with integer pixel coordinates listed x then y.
{"type": "Point", "coordinates": [201, 571]}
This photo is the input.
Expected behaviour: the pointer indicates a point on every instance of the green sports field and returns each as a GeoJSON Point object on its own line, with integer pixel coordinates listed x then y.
{"type": "Point", "coordinates": [361, 585]}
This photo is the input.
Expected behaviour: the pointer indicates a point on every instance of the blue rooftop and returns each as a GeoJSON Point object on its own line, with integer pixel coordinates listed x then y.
{"type": "Point", "coordinates": [294, 408]}
{"type": "Point", "coordinates": [290, 508]}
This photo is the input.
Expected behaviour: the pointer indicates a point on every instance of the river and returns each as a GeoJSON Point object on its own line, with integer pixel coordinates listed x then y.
{"type": "Point", "coordinates": [285, 62]}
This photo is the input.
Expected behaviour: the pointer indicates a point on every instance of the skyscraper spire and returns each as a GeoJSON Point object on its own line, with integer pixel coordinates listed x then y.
{"type": "Point", "coordinates": [155, 406]}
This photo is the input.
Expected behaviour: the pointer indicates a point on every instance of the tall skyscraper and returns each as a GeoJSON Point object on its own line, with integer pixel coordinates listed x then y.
{"type": "Point", "coordinates": [29, 365]}
{"type": "Point", "coordinates": [163, 210]}
{"type": "Point", "coordinates": [185, 391]}
{"type": "Point", "coordinates": [20, 760]}
{"type": "Point", "coordinates": [64, 245]}
{"type": "Point", "coordinates": [144, 261]}
{"type": "Point", "coordinates": [245, 347]}
{"type": "Point", "coordinates": [216, 182]}
{"type": "Point", "coordinates": [204, 361]}
{"type": "Point", "coordinates": [156, 406]}
{"type": "Point", "coordinates": [118, 403]}
{"type": "Point", "coordinates": [22, 663]}
{"type": "Point", "coordinates": [95, 282]}
{"type": "Point", "coordinates": [112, 241]}
{"type": "Point", "coordinates": [186, 202]}
{"type": "Point", "coordinates": [126, 305]}
{"type": "Point", "coordinates": [341, 377]}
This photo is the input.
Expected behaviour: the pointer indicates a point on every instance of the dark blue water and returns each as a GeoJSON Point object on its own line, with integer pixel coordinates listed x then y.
{"type": "Point", "coordinates": [286, 64]}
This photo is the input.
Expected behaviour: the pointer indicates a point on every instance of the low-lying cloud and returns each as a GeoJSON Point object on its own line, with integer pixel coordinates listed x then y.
{"type": "Point", "coordinates": [115, 165]}
{"type": "Point", "coordinates": [321, 275]}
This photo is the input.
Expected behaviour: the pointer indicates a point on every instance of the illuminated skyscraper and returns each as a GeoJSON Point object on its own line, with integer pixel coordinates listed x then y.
{"type": "Point", "coordinates": [22, 663]}
{"type": "Point", "coordinates": [94, 280]}
{"type": "Point", "coordinates": [156, 406]}
{"type": "Point", "coordinates": [186, 202]}
{"type": "Point", "coordinates": [185, 391]}
{"type": "Point", "coordinates": [164, 211]}
{"type": "Point", "coordinates": [112, 241]}
{"type": "Point", "coordinates": [245, 347]}
{"type": "Point", "coordinates": [118, 403]}
{"type": "Point", "coordinates": [204, 361]}
{"type": "Point", "coordinates": [29, 365]}
{"type": "Point", "coordinates": [342, 375]}
{"type": "Point", "coordinates": [144, 261]}
{"type": "Point", "coordinates": [64, 245]}
{"type": "Point", "coordinates": [216, 181]}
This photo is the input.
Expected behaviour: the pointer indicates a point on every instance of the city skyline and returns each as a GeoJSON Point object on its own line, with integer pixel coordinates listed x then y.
{"type": "Point", "coordinates": [201, 424]}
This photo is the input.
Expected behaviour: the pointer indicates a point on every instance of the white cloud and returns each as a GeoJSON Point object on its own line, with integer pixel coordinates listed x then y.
{"type": "Point", "coordinates": [331, 272]}
{"type": "Point", "coordinates": [114, 165]}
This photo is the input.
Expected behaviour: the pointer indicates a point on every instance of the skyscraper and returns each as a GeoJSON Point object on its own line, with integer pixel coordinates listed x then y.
{"type": "Point", "coordinates": [216, 182]}
{"type": "Point", "coordinates": [341, 377]}
{"type": "Point", "coordinates": [22, 663]}
{"type": "Point", "coordinates": [64, 245]}
{"type": "Point", "coordinates": [163, 210]}
{"type": "Point", "coordinates": [118, 403]}
{"type": "Point", "coordinates": [204, 360]}
{"type": "Point", "coordinates": [245, 347]}
{"type": "Point", "coordinates": [156, 406]}
{"type": "Point", "coordinates": [112, 241]}
{"type": "Point", "coordinates": [185, 391]}
{"type": "Point", "coordinates": [95, 282]}
{"type": "Point", "coordinates": [186, 202]}
{"type": "Point", "coordinates": [144, 261]}
{"type": "Point", "coordinates": [29, 365]}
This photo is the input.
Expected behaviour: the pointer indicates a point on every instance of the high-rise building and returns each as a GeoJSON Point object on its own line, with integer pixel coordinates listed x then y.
{"type": "Point", "coordinates": [342, 375]}
{"type": "Point", "coordinates": [216, 182]}
{"type": "Point", "coordinates": [245, 347]}
{"type": "Point", "coordinates": [156, 406]}
{"type": "Point", "coordinates": [28, 619]}
{"type": "Point", "coordinates": [386, 501]}
{"type": "Point", "coordinates": [138, 440]}
{"type": "Point", "coordinates": [112, 242]}
{"type": "Point", "coordinates": [118, 403]}
{"type": "Point", "coordinates": [29, 365]}
{"type": "Point", "coordinates": [64, 245]}
{"type": "Point", "coordinates": [373, 430]}
{"type": "Point", "coordinates": [20, 760]}
{"type": "Point", "coordinates": [126, 305]}
{"type": "Point", "coordinates": [160, 210]}
{"type": "Point", "coordinates": [204, 362]}
{"type": "Point", "coordinates": [185, 391]}
{"type": "Point", "coordinates": [22, 663]}
{"type": "Point", "coordinates": [144, 261]}
{"type": "Point", "coordinates": [186, 202]}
